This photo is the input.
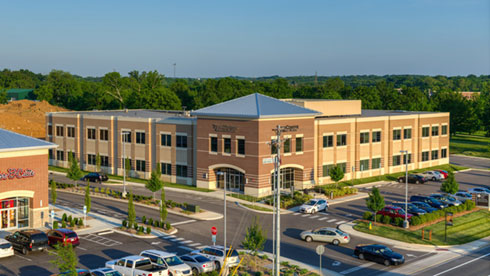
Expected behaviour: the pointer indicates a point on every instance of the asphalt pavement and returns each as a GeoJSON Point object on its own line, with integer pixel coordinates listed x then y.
{"type": "Point", "coordinates": [471, 162]}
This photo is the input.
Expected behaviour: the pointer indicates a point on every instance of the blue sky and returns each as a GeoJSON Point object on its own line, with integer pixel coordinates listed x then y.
{"type": "Point", "coordinates": [247, 38]}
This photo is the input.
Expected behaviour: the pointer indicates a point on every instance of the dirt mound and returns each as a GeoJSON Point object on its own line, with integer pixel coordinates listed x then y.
{"type": "Point", "coordinates": [26, 117]}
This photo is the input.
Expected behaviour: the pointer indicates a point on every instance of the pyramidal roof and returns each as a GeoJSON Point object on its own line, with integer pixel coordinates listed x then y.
{"type": "Point", "coordinates": [11, 141]}
{"type": "Point", "coordinates": [255, 106]}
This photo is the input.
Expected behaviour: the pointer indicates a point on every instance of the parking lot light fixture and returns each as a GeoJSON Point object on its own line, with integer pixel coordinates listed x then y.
{"type": "Point", "coordinates": [405, 222]}
{"type": "Point", "coordinates": [224, 208]}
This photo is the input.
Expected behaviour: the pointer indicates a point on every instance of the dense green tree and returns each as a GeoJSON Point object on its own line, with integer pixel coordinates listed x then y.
{"type": "Point", "coordinates": [131, 210]}
{"type": "Point", "coordinates": [3, 96]}
{"type": "Point", "coordinates": [450, 185]}
{"type": "Point", "coordinates": [60, 88]}
{"type": "Point", "coordinates": [336, 174]}
{"type": "Point", "coordinates": [369, 97]}
{"type": "Point", "coordinates": [413, 99]}
{"type": "Point", "coordinates": [375, 202]}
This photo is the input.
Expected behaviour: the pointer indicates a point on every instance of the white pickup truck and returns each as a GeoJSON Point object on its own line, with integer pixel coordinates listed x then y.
{"type": "Point", "coordinates": [137, 266]}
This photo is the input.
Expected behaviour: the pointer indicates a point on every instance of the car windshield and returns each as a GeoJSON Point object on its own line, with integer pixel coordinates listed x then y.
{"type": "Point", "coordinates": [113, 273]}
{"type": "Point", "coordinates": [174, 260]}
{"type": "Point", "coordinates": [385, 250]}
{"type": "Point", "coordinates": [311, 202]}
{"type": "Point", "coordinates": [401, 211]}
{"type": "Point", "coordinates": [201, 259]}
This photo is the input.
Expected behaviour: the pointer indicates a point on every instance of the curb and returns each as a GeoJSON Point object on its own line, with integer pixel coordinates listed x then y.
{"type": "Point", "coordinates": [283, 212]}
{"type": "Point", "coordinates": [359, 195]}
{"type": "Point", "coordinates": [151, 236]}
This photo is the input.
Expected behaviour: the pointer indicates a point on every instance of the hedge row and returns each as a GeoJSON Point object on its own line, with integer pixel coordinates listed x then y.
{"type": "Point", "coordinates": [338, 192]}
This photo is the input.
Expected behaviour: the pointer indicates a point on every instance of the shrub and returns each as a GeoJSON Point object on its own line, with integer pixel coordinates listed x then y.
{"type": "Point", "coordinates": [63, 218]}
{"type": "Point", "coordinates": [150, 221]}
{"type": "Point", "coordinates": [399, 221]}
{"type": "Point", "coordinates": [141, 229]}
{"type": "Point", "coordinates": [108, 192]}
{"type": "Point", "coordinates": [96, 189]}
{"type": "Point", "coordinates": [73, 223]}
{"type": "Point", "coordinates": [367, 215]}
{"type": "Point", "coordinates": [125, 223]}
{"type": "Point", "coordinates": [379, 217]}
{"type": "Point", "coordinates": [415, 221]}
{"type": "Point", "coordinates": [258, 273]}
{"type": "Point", "coordinates": [63, 224]}
{"type": "Point", "coordinates": [76, 221]}
{"type": "Point", "coordinates": [102, 190]}
{"type": "Point", "coordinates": [69, 218]}
{"type": "Point", "coordinates": [264, 257]}
{"type": "Point", "coordinates": [148, 230]}
{"type": "Point", "coordinates": [469, 205]}
{"type": "Point", "coordinates": [386, 219]}
{"type": "Point", "coordinates": [423, 218]}
{"type": "Point", "coordinates": [143, 219]}
{"type": "Point", "coordinates": [168, 226]}
{"type": "Point", "coordinates": [135, 226]}
{"type": "Point", "coordinates": [303, 271]}
{"type": "Point", "coordinates": [55, 224]}
{"type": "Point", "coordinates": [80, 222]}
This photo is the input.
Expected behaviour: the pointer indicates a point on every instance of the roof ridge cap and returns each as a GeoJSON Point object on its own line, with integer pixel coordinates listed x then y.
{"type": "Point", "coordinates": [257, 104]}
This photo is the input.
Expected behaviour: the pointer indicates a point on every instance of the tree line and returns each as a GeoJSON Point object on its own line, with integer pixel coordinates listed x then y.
{"type": "Point", "coordinates": [151, 90]}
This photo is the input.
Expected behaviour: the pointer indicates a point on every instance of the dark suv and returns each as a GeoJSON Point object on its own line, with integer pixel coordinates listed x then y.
{"type": "Point", "coordinates": [28, 240]}
{"type": "Point", "coordinates": [429, 200]}
{"type": "Point", "coordinates": [95, 177]}
{"type": "Point", "coordinates": [413, 178]}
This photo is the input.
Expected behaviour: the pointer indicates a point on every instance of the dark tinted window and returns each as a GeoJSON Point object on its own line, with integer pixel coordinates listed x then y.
{"type": "Point", "coordinates": [5, 245]}
{"type": "Point", "coordinates": [201, 259]}
{"type": "Point", "coordinates": [142, 263]}
{"type": "Point", "coordinates": [39, 237]}
{"type": "Point", "coordinates": [187, 259]}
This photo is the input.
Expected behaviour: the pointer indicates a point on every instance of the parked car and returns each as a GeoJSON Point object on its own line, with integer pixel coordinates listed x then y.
{"type": "Point", "coordinates": [6, 248]}
{"type": "Point", "coordinates": [176, 267]}
{"type": "Point", "coordinates": [198, 263]}
{"type": "Point", "coordinates": [443, 172]}
{"type": "Point", "coordinates": [217, 254]}
{"type": "Point", "coordinates": [105, 272]}
{"type": "Point", "coordinates": [433, 175]}
{"type": "Point", "coordinates": [393, 212]}
{"type": "Point", "coordinates": [411, 208]}
{"type": "Point", "coordinates": [413, 178]}
{"type": "Point", "coordinates": [314, 205]}
{"type": "Point", "coordinates": [447, 199]}
{"type": "Point", "coordinates": [137, 265]}
{"type": "Point", "coordinates": [379, 253]}
{"type": "Point", "coordinates": [80, 272]}
{"type": "Point", "coordinates": [429, 200]}
{"type": "Point", "coordinates": [424, 206]}
{"type": "Point", "coordinates": [326, 234]}
{"type": "Point", "coordinates": [29, 240]}
{"type": "Point", "coordinates": [95, 177]}
{"type": "Point", "coordinates": [62, 235]}
{"type": "Point", "coordinates": [463, 196]}
{"type": "Point", "coordinates": [479, 190]}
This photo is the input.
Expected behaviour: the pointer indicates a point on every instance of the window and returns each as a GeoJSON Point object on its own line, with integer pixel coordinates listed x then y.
{"type": "Point", "coordinates": [376, 163]}
{"type": "Point", "coordinates": [227, 145]}
{"type": "Point", "coordinates": [181, 141]}
{"type": "Point", "coordinates": [435, 131]}
{"type": "Point", "coordinates": [299, 144]}
{"type": "Point", "coordinates": [425, 132]}
{"type": "Point", "coordinates": [214, 144]}
{"type": "Point", "coordinates": [396, 160]}
{"type": "Point", "coordinates": [425, 156]}
{"type": "Point", "coordinates": [166, 140]}
{"type": "Point", "coordinates": [443, 153]}
{"type": "Point", "coordinates": [341, 140]}
{"type": "Point", "coordinates": [397, 133]}
{"type": "Point", "coordinates": [166, 168]}
{"type": "Point", "coordinates": [140, 138]}
{"type": "Point", "coordinates": [70, 132]}
{"type": "Point", "coordinates": [326, 169]}
{"type": "Point", "coordinates": [407, 133]}
{"type": "Point", "coordinates": [408, 157]}
{"type": "Point", "coordinates": [60, 155]}
{"type": "Point", "coordinates": [104, 134]}
{"type": "Point", "coordinates": [273, 147]}
{"type": "Point", "coordinates": [328, 141]}
{"type": "Point", "coordinates": [343, 166]}
{"type": "Point", "coordinates": [364, 165]}
{"type": "Point", "coordinates": [51, 154]}
{"type": "Point", "coordinates": [126, 136]}
{"type": "Point", "coordinates": [50, 130]}
{"type": "Point", "coordinates": [59, 131]}
{"type": "Point", "coordinates": [241, 146]}
{"type": "Point", "coordinates": [376, 136]}
{"type": "Point", "coordinates": [91, 159]}
{"type": "Point", "coordinates": [181, 170]}
{"type": "Point", "coordinates": [287, 145]}
{"type": "Point", "coordinates": [104, 161]}
{"type": "Point", "coordinates": [140, 165]}
{"type": "Point", "coordinates": [444, 130]}
{"type": "Point", "coordinates": [364, 138]}
{"type": "Point", "coordinates": [434, 155]}
{"type": "Point", "coordinates": [91, 133]}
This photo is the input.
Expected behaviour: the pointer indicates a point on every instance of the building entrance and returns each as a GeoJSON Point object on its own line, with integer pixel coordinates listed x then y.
{"type": "Point", "coordinates": [14, 213]}
{"type": "Point", "coordinates": [235, 180]}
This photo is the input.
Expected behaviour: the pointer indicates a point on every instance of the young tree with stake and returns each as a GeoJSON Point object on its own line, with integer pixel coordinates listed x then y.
{"type": "Point", "coordinates": [87, 197]}
{"type": "Point", "coordinates": [74, 172]}
{"type": "Point", "coordinates": [54, 195]}
{"type": "Point", "coordinates": [255, 237]}
{"type": "Point", "coordinates": [131, 211]}
{"type": "Point", "coordinates": [375, 202]}
{"type": "Point", "coordinates": [336, 174]}
{"type": "Point", "coordinates": [163, 206]}
{"type": "Point", "coordinates": [154, 183]}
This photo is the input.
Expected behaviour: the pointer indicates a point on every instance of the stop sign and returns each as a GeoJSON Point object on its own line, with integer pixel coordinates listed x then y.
{"type": "Point", "coordinates": [214, 230]}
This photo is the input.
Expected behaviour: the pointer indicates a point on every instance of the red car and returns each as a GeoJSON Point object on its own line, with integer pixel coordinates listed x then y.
{"type": "Point", "coordinates": [62, 235]}
{"type": "Point", "coordinates": [444, 173]}
{"type": "Point", "coordinates": [393, 212]}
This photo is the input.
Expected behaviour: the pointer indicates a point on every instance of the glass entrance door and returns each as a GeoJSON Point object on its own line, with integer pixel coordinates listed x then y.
{"type": "Point", "coordinates": [8, 218]}
{"type": "Point", "coordinates": [235, 180]}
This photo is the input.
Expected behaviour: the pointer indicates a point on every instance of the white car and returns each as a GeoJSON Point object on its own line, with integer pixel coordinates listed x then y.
{"type": "Point", "coordinates": [314, 205]}
{"type": "Point", "coordinates": [176, 267]}
{"type": "Point", "coordinates": [217, 254]}
{"type": "Point", "coordinates": [433, 175]}
{"type": "Point", "coordinates": [6, 248]}
{"type": "Point", "coordinates": [463, 196]}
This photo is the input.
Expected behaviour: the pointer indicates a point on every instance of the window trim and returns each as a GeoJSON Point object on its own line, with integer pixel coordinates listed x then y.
{"type": "Point", "coordinates": [364, 141]}
{"type": "Point", "coordinates": [341, 144]}
{"type": "Point", "coordinates": [325, 139]}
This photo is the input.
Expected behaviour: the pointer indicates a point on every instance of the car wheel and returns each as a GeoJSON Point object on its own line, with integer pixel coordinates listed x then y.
{"type": "Point", "coordinates": [25, 251]}
{"type": "Point", "coordinates": [217, 265]}
{"type": "Point", "coordinates": [417, 182]}
{"type": "Point", "coordinates": [433, 179]}
{"type": "Point", "coordinates": [400, 180]}
{"type": "Point", "coordinates": [361, 256]}
{"type": "Point", "coordinates": [308, 239]}
{"type": "Point", "coordinates": [195, 271]}
{"type": "Point", "coordinates": [170, 274]}
{"type": "Point", "coordinates": [335, 242]}
{"type": "Point", "coordinates": [386, 262]}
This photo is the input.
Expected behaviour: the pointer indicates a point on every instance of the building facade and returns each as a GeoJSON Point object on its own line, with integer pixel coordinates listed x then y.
{"type": "Point", "coordinates": [231, 142]}
{"type": "Point", "coordinates": [24, 199]}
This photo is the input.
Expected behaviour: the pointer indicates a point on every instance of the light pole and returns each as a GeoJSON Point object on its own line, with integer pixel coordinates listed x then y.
{"type": "Point", "coordinates": [224, 211]}
{"type": "Point", "coordinates": [123, 135]}
{"type": "Point", "coordinates": [405, 222]}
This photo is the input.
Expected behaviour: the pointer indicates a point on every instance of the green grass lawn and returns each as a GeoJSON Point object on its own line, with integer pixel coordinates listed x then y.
{"type": "Point", "coordinates": [473, 145]}
{"type": "Point", "coordinates": [466, 228]}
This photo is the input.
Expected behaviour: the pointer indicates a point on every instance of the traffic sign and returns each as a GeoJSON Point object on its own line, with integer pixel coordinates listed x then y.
{"type": "Point", "coordinates": [213, 238]}
{"type": "Point", "coordinates": [52, 213]}
{"type": "Point", "coordinates": [84, 209]}
{"type": "Point", "coordinates": [214, 231]}
{"type": "Point", "coordinates": [320, 249]}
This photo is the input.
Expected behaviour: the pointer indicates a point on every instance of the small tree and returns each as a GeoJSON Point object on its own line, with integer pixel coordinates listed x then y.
{"type": "Point", "coordinates": [131, 211]}
{"type": "Point", "coordinates": [97, 162]}
{"type": "Point", "coordinates": [54, 195]}
{"type": "Point", "coordinates": [154, 183]}
{"type": "Point", "coordinates": [87, 197]}
{"type": "Point", "coordinates": [450, 185]}
{"type": "Point", "coordinates": [65, 259]}
{"type": "Point", "coordinates": [255, 237]}
{"type": "Point", "coordinates": [74, 172]}
{"type": "Point", "coordinates": [375, 202]}
{"type": "Point", "coordinates": [336, 174]}
{"type": "Point", "coordinates": [163, 206]}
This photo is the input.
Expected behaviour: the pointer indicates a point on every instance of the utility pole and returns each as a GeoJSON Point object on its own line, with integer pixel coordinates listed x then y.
{"type": "Point", "coordinates": [405, 223]}
{"type": "Point", "coordinates": [224, 211]}
{"type": "Point", "coordinates": [124, 162]}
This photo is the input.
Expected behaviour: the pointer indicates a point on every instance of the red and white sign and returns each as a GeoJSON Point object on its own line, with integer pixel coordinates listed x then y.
{"type": "Point", "coordinates": [16, 173]}
{"type": "Point", "coordinates": [214, 231]}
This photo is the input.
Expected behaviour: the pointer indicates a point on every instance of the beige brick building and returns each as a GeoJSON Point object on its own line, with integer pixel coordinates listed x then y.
{"type": "Point", "coordinates": [234, 137]}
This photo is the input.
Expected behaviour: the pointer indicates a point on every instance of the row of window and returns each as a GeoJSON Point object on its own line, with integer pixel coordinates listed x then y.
{"type": "Point", "coordinates": [341, 140]}
{"type": "Point", "coordinates": [287, 147]}
{"type": "Point", "coordinates": [240, 145]}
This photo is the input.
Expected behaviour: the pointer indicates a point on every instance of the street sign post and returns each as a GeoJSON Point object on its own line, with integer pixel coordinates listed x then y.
{"type": "Point", "coordinates": [52, 219]}
{"type": "Point", "coordinates": [85, 213]}
{"type": "Point", "coordinates": [320, 250]}
{"type": "Point", "coordinates": [214, 231]}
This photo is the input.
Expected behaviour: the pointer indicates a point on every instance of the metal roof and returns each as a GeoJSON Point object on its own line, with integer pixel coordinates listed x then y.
{"type": "Point", "coordinates": [133, 113]}
{"type": "Point", "coordinates": [255, 106]}
{"type": "Point", "coordinates": [11, 141]}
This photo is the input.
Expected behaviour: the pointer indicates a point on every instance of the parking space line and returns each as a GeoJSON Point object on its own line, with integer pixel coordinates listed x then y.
{"type": "Point", "coordinates": [331, 220]}
{"type": "Point", "coordinates": [201, 247]}
{"type": "Point", "coordinates": [295, 214]}
{"type": "Point", "coordinates": [306, 215]}
{"type": "Point", "coordinates": [177, 239]}
{"type": "Point", "coordinates": [340, 222]}
{"type": "Point", "coordinates": [81, 248]}
{"type": "Point", "coordinates": [314, 217]}
{"type": "Point", "coordinates": [323, 218]}
{"type": "Point", "coordinates": [185, 242]}
{"type": "Point", "coordinates": [168, 236]}
{"type": "Point", "coordinates": [356, 268]}
{"type": "Point", "coordinates": [195, 244]}
{"type": "Point", "coordinates": [183, 222]}
{"type": "Point", "coordinates": [23, 258]}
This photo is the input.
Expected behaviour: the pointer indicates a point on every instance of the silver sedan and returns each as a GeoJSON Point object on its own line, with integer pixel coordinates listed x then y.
{"type": "Point", "coordinates": [198, 263]}
{"type": "Point", "coordinates": [326, 234]}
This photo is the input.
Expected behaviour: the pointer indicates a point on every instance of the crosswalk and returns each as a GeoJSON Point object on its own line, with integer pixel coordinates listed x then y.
{"type": "Point", "coordinates": [321, 217]}
{"type": "Point", "coordinates": [188, 245]}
